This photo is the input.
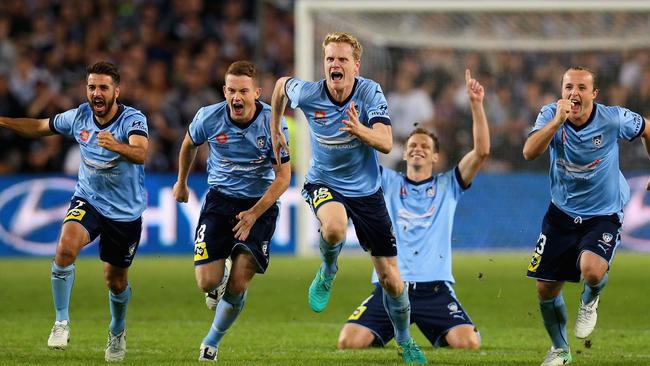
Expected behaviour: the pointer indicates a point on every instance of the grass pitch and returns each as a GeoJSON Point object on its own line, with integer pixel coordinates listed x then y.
{"type": "Point", "coordinates": [167, 318]}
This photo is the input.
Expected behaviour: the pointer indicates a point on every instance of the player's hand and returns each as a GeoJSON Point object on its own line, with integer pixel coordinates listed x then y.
{"type": "Point", "coordinates": [475, 90]}
{"type": "Point", "coordinates": [279, 143]}
{"type": "Point", "coordinates": [106, 140]}
{"type": "Point", "coordinates": [647, 186]}
{"type": "Point", "coordinates": [246, 221]}
{"type": "Point", "coordinates": [181, 192]}
{"type": "Point", "coordinates": [352, 125]}
{"type": "Point", "coordinates": [563, 110]}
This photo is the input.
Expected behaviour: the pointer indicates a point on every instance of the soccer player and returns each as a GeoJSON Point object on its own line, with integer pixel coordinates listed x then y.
{"type": "Point", "coordinates": [582, 227]}
{"type": "Point", "coordinates": [348, 121]}
{"type": "Point", "coordinates": [108, 200]}
{"type": "Point", "coordinates": [421, 206]}
{"type": "Point", "coordinates": [239, 213]}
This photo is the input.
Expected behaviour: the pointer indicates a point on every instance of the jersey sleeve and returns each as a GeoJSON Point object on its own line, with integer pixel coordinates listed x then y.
{"type": "Point", "coordinates": [196, 131]}
{"type": "Point", "coordinates": [378, 107]}
{"type": "Point", "coordinates": [137, 125]}
{"type": "Point", "coordinates": [631, 125]}
{"type": "Point", "coordinates": [293, 88]}
{"type": "Point", "coordinates": [545, 115]}
{"type": "Point", "coordinates": [62, 123]}
{"type": "Point", "coordinates": [387, 177]}
{"type": "Point", "coordinates": [284, 156]}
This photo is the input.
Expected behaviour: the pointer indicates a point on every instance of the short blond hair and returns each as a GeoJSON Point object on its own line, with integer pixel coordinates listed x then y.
{"type": "Point", "coordinates": [342, 37]}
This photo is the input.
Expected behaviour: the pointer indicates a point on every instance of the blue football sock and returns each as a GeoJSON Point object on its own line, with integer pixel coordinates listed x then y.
{"type": "Point", "coordinates": [399, 311]}
{"type": "Point", "coordinates": [554, 316]}
{"type": "Point", "coordinates": [62, 280]}
{"type": "Point", "coordinates": [225, 315]}
{"type": "Point", "coordinates": [329, 254]}
{"type": "Point", "coordinates": [589, 293]}
{"type": "Point", "coordinates": [118, 304]}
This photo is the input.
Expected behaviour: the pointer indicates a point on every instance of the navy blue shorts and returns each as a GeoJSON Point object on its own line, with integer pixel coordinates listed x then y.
{"type": "Point", "coordinates": [369, 216]}
{"type": "Point", "coordinates": [118, 240]}
{"type": "Point", "coordinates": [563, 239]}
{"type": "Point", "coordinates": [214, 238]}
{"type": "Point", "coordinates": [434, 309]}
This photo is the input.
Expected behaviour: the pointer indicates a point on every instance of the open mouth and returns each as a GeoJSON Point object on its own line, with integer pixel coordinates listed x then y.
{"type": "Point", "coordinates": [238, 108]}
{"type": "Point", "coordinates": [99, 104]}
{"type": "Point", "coordinates": [336, 76]}
{"type": "Point", "coordinates": [575, 105]}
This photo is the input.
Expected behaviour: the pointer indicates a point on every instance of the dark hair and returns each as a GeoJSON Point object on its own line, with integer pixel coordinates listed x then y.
{"type": "Point", "coordinates": [242, 68]}
{"type": "Point", "coordinates": [104, 68]}
{"type": "Point", "coordinates": [594, 77]}
{"type": "Point", "coordinates": [423, 131]}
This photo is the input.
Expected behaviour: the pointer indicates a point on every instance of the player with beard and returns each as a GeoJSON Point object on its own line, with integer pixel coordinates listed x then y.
{"type": "Point", "coordinates": [240, 211]}
{"type": "Point", "coordinates": [108, 200]}
{"type": "Point", "coordinates": [349, 123]}
{"type": "Point", "coordinates": [582, 226]}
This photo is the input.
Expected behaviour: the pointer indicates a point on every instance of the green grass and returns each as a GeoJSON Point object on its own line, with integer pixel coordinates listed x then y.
{"type": "Point", "coordinates": [167, 318]}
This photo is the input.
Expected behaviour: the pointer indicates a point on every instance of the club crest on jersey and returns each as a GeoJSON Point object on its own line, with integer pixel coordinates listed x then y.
{"type": "Point", "coordinates": [261, 142]}
{"type": "Point", "coordinates": [319, 114]}
{"type": "Point", "coordinates": [431, 191]}
{"type": "Point", "coordinates": [597, 141]}
{"type": "Point", "coordinates": [84, 135]}
{"type": "Point", "coordinates": [607, 237]}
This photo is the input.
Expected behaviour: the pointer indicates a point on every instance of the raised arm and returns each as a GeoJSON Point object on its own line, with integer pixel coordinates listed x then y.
{"type": "Point", "coordinates": [278, 104]}
{"type": "Point", "coordinates": [185, 160]}
{"type": "Point", "coordinates": [27, 127]}
{"type": "Point", "coordinates": [380, 136]}
{"type": "Point", "coordinates": [278, 186]}
{"type": "Point", "coordinates": [538, 142]}
{"type": "Point", "coordinates": [470, 164]}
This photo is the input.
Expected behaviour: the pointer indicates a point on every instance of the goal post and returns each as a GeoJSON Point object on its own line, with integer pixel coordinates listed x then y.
{"type": "Point", "coordinates": [462, 25]}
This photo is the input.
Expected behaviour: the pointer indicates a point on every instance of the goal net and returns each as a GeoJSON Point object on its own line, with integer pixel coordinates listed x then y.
{"type": "Point", "coordinates": [517, 49]}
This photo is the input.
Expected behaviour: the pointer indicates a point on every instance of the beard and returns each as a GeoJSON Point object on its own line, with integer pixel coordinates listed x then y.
{"type": "Point", "coordinates": [106, 106]}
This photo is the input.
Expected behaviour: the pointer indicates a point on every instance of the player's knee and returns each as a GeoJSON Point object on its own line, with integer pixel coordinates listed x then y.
{"type": "Point", "coordinates": [348, 342]}
{"type": "Point", "coordinates": [334, 231]}
{"type": "Point", "coordinates": [237, 285]}
{"type": "Point", "coordinates": [466, 343]}
{"type": "Point", "coordinates": [593, 275]}
{"type": "Point", "coordinates": [206, 284]}
{"type": "Point", "coordinates": [64, 256]}
{"type": "Point", "coordinates": [117, 285]}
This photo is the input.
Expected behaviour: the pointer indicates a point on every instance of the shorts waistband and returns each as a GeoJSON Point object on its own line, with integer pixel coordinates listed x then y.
{"type": "Point", "coordinates": [432, 285]}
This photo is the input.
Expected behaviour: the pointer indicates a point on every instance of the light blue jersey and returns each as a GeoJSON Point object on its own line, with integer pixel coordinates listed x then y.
{"type": "Point", "coordinates": [340, 160]}
{"type": "Point", "coordinates": [107, 180]}
{"type": "Point", "coordinates": [423, 216]}
{"type": "Point", "coordinates": [586, 180]}
{"type": "Point", "coordinates": [241, 155]}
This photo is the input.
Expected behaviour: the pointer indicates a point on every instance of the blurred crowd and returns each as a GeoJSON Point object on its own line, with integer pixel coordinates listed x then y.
{"type": "Point", "coordinates": [172, 56]}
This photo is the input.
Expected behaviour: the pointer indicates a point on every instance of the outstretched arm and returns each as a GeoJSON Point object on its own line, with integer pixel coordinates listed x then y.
{"type": "Point", "coordinates": [185, 159]}
{"type": "Point", "coordinates": [278, 104]}
{"type": "Point", "coordinates": [538, 142]}
{"type": "Point", "coordinates": [280, 184]}
{"type": "Point", "coordinates": [645, 138]}
{"type": "Point", "coordinates": [472, 161]}
{"type": "Point", "coordinates": [380, 136]}
{"type": "Point", "coordinates": [27, 127]}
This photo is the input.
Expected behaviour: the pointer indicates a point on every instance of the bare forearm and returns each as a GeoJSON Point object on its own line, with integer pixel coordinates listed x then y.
{"type": "Point", "coordinates": [185, 159]}
{"type": "Point", "coordinates": [271, 196]}
{"type": "Point", "coordinates": [134, 154]}
{"type": "Point", "coordinates": [538, 142]}
{"type": "Point", "coordinates": [380, 139]}
{"type": "Point", "coordinates": [27, 127]}
{"type": "Point", "coordinates": [480, 130]}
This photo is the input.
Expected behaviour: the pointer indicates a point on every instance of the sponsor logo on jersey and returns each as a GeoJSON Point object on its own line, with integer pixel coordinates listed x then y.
{"type": "Point", "coordinates": [221, 138]}
{"type": "Point", "coordinates": [84, 135]}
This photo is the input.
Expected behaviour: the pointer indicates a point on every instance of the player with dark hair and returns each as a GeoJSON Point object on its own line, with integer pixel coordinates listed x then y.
{"type": "Point", "coordinates": [422, 204]}
{"type": "Point", "coordinates": [582, 227]}
{"type": "Point", "coordinates": [108, 200]}
{"type": "Point", "coordinates": [240, 211]}
{"type": "Point", "coordinates": [349, 122]}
